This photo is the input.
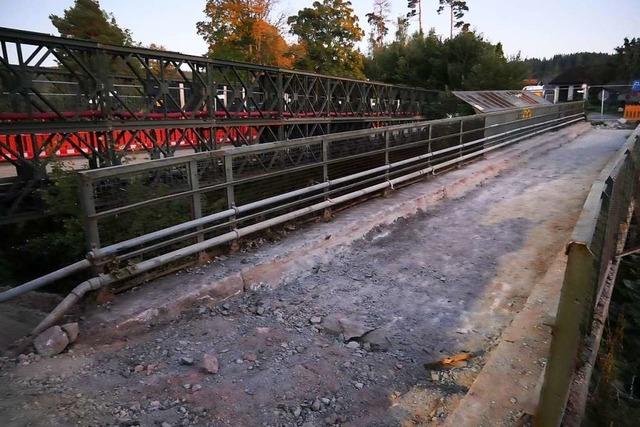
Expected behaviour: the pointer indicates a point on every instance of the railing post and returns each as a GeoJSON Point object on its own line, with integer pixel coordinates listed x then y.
{"type": "Point", "coordinates": [196, 203]}
{"type": "Point", "coordinates": [326, 214]}
{"type": "Point", "coordinates": [280, 105]}
{"type": "Point", "coordinates": [585, 94]}
{"type": "Point", "coordinates": [387, 146]}
{"type": "Point", "coordinates": [429, 150]}
{"type": "Point", "coordinates": [87, 205]}
{"type": "Point", "coordinates": [460, 139]}
{"type": "Point", "coordinates": [231, 198]}
{"type": "Point", "coordinates": [386, 152]}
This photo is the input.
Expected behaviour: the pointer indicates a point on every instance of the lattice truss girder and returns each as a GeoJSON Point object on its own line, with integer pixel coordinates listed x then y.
{"type": "Point", "coordinates": [51, 78]}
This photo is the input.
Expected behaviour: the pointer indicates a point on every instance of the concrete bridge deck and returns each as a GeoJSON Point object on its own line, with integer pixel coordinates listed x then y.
{"type": "Point", "coordinates": [334, 323]}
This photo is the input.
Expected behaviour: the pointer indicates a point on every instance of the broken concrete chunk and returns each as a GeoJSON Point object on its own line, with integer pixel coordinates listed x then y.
{"type": "Point", "coordinates": [315, 320]}
{"type": "Point", "coordinates": [187, 361]}
{"type": "Point", "coordinates": [349, 328]}
{"type": "Point", "coordinates": [250, 357]}
{"type": "Point", "coordinates": [72, 330]}
{"type": "Point", "coordinates": [210, 364]}
{"type": "Point", "coordinates": [51, 342]}
{"type": "Point", "coordinates": [377, 340]}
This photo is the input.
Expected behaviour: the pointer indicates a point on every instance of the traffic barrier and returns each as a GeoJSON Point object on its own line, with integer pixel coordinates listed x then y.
{"type": "Point", "coordinates": [632, 112]}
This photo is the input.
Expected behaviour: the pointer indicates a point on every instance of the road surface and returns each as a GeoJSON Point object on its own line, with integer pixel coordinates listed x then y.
{"type": "Point", "coordinates": [345, 341]}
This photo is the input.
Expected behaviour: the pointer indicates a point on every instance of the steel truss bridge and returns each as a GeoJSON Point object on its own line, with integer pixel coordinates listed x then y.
{"type": "Point", "coordinates": [100, 98]}
{"type": "Point", "coordinates": [66, 97]}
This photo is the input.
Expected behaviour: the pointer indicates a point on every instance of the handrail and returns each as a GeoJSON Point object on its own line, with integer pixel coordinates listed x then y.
{"type": "Point", "coordinates": [433, 159]}
{"type": "Point", "coordinates": [246, 149]}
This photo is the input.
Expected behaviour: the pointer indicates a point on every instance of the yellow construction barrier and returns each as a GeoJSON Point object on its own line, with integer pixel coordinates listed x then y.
{"type": "Point", "coordinates": [632, 112]}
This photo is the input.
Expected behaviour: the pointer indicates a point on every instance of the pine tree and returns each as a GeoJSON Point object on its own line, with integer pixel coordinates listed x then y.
{"type": "Point", "coordinates": [457, 9]}
{"type": "Point", "coordinates": [86, 20]}
{"type": "Point", "coordinates": [415, 9]}
{"type": "Point", "coordinates": [378, 20]}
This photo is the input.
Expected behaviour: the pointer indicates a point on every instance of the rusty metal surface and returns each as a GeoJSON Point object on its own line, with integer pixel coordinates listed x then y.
{"type": "Point", "coordinates": [489, 101]}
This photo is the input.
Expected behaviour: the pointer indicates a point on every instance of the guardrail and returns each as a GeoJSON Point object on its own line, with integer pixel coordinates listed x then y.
{"type": "Point", "coordinates": [234, 184]}
{"type": "Point", "coordinates": [143, 216]}
{"type": "Point", "coordinates": [592, 253]}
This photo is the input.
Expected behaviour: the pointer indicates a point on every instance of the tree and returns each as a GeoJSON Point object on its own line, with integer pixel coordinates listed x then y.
{"type": "Point", "coordinates": [378, 20]}
{"type": "Point", "coordinates": [402, 29]}
{"type": "Point", "coordinates": [465, 62]}
{"type": "Point", "coordinates": [457, 9]}
{"type": "Point", "coordinates": [241, 30]}
{"type": "Point", "coordinates": [327, 34]}
{"type": "Point", "coordinates": [628, 59]}
{"type": "Point", "coordinates": [169, 70]}
{"type": "Point", "coordinates": [415, 8]}
{"type": "Point", "coordinates": [86, 20]}
{"type": "Point", "coordinates": [586, 67]}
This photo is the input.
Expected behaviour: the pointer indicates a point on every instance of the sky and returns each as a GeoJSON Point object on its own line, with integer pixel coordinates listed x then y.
{"type": "Point", "coordinates": [535, 28]}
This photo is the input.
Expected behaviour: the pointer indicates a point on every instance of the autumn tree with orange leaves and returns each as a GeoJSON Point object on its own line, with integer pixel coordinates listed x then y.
{"type": "Point", "coordinates": [242, 30]}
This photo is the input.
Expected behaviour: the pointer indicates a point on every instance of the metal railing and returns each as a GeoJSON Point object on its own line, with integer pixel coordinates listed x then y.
{"type": "Point", "coordinates": [234, 184]}
{"type": "Point", "coordinates": [144, 215]}
{"type": "Point", "coordinates": [592, 260]}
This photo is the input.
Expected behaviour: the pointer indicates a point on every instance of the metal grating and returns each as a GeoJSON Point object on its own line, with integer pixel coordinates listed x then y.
{"type": "Point", "coordinates": [489, 101]}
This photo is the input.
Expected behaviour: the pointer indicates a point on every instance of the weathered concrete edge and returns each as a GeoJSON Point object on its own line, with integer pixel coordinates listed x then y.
{"type": "Point", "coordinates": [277, 270]}
{"type": "Point", "coordinates": [516, 362]}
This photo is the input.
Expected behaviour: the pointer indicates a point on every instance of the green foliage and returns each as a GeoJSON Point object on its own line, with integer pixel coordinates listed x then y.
{"type": "Point", "coordinates": [402, 29]}
{"type": "Point", "coordinates": [576, 66]}
{"type": "Point", "coordinates": [86, 20]}
{"type": "Point", "coordinates": [328, 33]}
{"type": "Point", "coordinates": [66, 242]}
{"type": "Point", "coordinates": [43, 245]}
{"type": "Point", "coordinates": [465, 62]}
{"type": "Point", "coordinates": [590, 67]}
{"type": "Point", "coordinates": [36, 248]}
{"type": "Point", "coordinates": [628, 59]}
{"type": "Point", "coordinates": [142, 221]}
{"type": "Point", "coordinates": [615, 385]}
